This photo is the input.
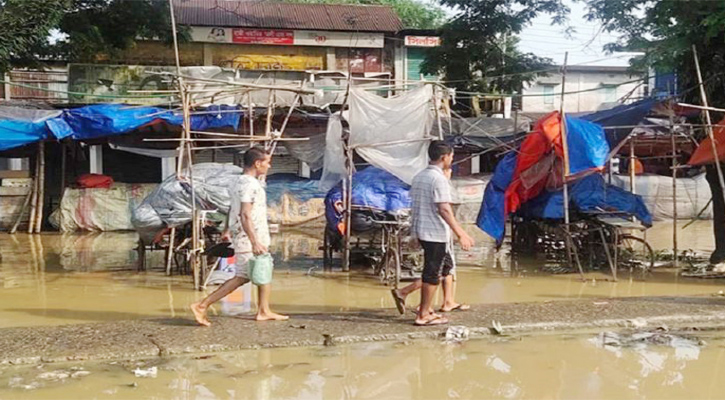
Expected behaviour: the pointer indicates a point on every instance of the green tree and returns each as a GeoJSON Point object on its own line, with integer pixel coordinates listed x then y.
{"type": "Point", "coordinates": [26, 26]}
{"type": "Point", "coordinates": [85, 30]}
{"type": "Point", "coordinates": [480, 42]}
{"type": "Point", "coordinates": [665, 31]}
{"type": "Point", "coordinates": [101, 28]}
{"type": "Point", "coordinates": [413, 14]}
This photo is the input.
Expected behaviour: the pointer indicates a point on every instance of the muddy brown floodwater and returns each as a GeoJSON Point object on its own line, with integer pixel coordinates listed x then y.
{"type": "Point", "coordinates": [583, 366]}
{"type": "Point", "coordinates": [56, 279]}
{"type": "Point", "coordinates": [60, 279]}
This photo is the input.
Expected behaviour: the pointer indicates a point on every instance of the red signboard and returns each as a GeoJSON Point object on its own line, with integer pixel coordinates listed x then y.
{"type": "Point", "coordinates": [263, 36]}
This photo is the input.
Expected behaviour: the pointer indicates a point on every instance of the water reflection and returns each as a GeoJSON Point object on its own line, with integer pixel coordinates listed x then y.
{"type": "Point", "coordinates": [511, 368]}
{"type": "Point", "coordinates": [57, 279]}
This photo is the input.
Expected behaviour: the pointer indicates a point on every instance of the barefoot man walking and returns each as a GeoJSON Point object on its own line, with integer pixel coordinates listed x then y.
{"type": "Point", "coordinates": [248, 225]}
{"type": "Point", "coordinates": [432, 223]}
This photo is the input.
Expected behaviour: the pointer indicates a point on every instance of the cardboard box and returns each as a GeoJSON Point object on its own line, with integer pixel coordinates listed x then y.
{"type": "Point", "coordinates": [17, 182]}
{"type": "Point", "coordinates": [14, 191]}
{"type": "Point", "coordinates": [14, 174]}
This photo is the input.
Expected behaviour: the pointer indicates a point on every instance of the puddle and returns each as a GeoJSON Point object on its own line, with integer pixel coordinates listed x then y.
{"type": "Point", "coordinates": [57, 279]}
{"type": "Point", "coordinates": [571, 367]}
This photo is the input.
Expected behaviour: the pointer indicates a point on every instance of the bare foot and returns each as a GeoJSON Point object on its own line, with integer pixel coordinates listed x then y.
{"type": "Point", "coordinates": [200, 314]}
{"type": "Point", "coordinates": [270, 316]}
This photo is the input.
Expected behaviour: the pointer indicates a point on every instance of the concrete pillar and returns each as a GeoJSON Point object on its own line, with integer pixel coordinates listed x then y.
{"type": "Point", "coordinates": [399, 65]}
{"type": "Point", "coordinates": [16, 164]}
{"type": "Point", "coordinates": [96, 159]}
{"type": "Point", "coordinates": [476, 165]}
{"type": "Point", "coordinates": [168, 167]}
{"type": "Point", "coordinates": [330, 60]}
{"type": "Point", "coordinates": [6, 86]}
{"type": "Point", "coordinates": [304, 170]}
{"type": "Point", "coordinates": [207, 54]}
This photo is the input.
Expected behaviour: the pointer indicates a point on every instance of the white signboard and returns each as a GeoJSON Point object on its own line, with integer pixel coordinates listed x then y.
{"type": "Point", "coordinates": [287, 37]}
{"type": "Point", "coordinates": [422, 41]}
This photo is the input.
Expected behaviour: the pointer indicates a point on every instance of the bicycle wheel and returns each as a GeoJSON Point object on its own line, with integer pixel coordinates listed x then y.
{"type": "Point", "coordinates": [635, 252]}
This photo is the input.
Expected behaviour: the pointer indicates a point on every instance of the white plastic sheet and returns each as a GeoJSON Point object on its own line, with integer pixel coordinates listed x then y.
{"type": "Point", "coordinates": [656, 191]}
{"type": "Point", "coordinates": [375, 120]}
{"type": "Point", "coordinates": [333, 166]}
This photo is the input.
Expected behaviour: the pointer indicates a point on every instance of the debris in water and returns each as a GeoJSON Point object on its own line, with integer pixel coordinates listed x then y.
{"type": "Point", "coordinates": [54, 375]}
{"type": "Point", "coordinates": [298, 326]}
{"type": "Point", "coordinates": [457, 334]}
{"type": "Point", "coordinates": [496, 328]}
{"type": "Point", "coordinates": [638, 323]}
{"type": "Point", "coordinates": [79, 374]}
{"type": "Point", "coordinates": [146, 373]}
{"type": "Point", "coordinates": [329, 339]}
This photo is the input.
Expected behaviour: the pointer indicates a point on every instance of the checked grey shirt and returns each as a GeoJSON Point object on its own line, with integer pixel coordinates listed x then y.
{"type": "Point", "coordinates": [430, 187]}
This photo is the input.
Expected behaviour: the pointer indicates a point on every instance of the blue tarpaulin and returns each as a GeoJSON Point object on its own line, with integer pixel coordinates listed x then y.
{"type": "Point", "coordinates": [492, 217]}
{"type": "Point", "coordinates": [589, 194]}
{"type": "Point", "coordinates": [15, 133]}
{"type": "Point", "coordinates": [520, 177]}
{"type": "Point", "coordinates": [623, 115]}
{"type": "Point", "coordinates": [588, 148]}
{"type": "Point", "coordinates": [372, 188]}
{"type": "Point", "coordinates": [102, 120]}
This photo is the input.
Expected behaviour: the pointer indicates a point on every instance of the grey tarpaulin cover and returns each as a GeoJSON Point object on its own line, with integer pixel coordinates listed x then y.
{"type": "Point", "coordinates": [375, 121]}
{"type": "Point", "coordinates": [169, 204]}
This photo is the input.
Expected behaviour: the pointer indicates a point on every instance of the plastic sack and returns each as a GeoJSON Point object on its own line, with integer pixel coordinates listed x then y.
{"type": "Point", "coordinates": [89, 181]}
{"type": "Point", "coordinates": [260, 269]}
{"type": "Point", "coordinates": [169, 205]}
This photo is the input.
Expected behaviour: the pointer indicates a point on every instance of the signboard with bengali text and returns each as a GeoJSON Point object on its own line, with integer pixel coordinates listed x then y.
{"type": "Point", "coordinates": [287, 37]}
{"type": "Point", "coordinates": [422, 41]}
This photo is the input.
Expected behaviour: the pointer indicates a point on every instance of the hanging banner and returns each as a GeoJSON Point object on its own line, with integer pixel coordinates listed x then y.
{"type": "Point", "coordinates": [287, 37]}
{"type": "Point", "coordinates": [422, 41]}
{"type": "Point", "coordinates": [262, 36]}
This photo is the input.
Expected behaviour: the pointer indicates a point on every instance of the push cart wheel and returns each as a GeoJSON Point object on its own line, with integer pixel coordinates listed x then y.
{"type": "Point", "coordinates": [635, 252]}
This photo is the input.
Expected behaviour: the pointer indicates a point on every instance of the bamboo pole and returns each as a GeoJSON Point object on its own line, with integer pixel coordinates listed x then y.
{"type": "Point", "coordinates": [34, 200]}
{"type": "Point", "coordinates": [41, 188]}
{"type": "Point", "coordinates": [270, 107]}
{"type": "Point", "coordinates": [703, 97]}
{"type": "Point", "coordinates": [436, 104]}
{"type": "Point", "coordinates": [250, 109]}
{"type": "Point", "coordinates": [674, 188]}
{"type": "Point", "coordinates": [237, 139]}
{"type": "Point", "coordinates": [63, 167]}
{"type": "Point", "coordinates": [19, 218]}
{"type": "Point", "coordinates": [565, 168]}
{"type": "Point", "coordinates": [170, 253]}
{"type": "Point", "coordinates": [631, 165]}
{"type": "Point", "coordinates": [348, 205]}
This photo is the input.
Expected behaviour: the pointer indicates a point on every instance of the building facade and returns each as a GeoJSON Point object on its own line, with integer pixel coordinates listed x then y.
{"type": "Point", "coordinates": [589, 88]}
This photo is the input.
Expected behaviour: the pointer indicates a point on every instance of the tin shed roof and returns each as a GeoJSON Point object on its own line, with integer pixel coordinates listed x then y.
{"type": "Point", "coordinates": [274, 15]}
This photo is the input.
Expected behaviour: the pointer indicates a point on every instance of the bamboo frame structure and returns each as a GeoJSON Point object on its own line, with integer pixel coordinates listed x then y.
{"type": "Point", "coordinates": [703, 97]}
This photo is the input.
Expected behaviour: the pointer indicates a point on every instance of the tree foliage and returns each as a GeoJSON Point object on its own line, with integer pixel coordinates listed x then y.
{"type": "Point", "coordinates": [413, 13]}
{"type": "Point", "coordinates": [85, 30]}
{"type": "Point", "coordinates": [26, 25]}
{"type": "Point", "coordinates": [664, 31]}
{"type": "Point", "coordinates": [479, 42]}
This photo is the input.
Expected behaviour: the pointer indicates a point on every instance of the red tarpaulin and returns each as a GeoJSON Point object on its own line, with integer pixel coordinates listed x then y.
{"type": "Point", "coordinates": [545, 137]}
{"type": "Point", "coordinates": [703, 154]}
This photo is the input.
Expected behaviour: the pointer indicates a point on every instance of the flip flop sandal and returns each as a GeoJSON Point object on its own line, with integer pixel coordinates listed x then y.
{"type": "Point", "coordinates": [399, 301]}
{"type": "Point", "coordinates": [415, 312]}
{"type": "Point", "coordinates": [432, 321]}
{"type": "Point", "coordinates": [460, 307]}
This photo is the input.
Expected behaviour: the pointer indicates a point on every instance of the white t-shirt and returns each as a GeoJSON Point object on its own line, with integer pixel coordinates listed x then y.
{"type": "Point", "coordinates": [249, 190]}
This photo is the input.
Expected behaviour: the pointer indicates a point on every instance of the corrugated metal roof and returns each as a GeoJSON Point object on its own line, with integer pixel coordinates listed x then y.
{"type": "Point", "coordinates": [273, 15]}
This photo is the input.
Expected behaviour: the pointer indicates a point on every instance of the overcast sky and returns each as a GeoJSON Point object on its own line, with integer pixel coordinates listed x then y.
{"type": "Point", "coordinates": [584, 47]}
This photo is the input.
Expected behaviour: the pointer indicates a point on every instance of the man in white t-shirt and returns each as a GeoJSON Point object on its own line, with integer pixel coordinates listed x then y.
{"type": "Point", "coordinates": [250, 232]}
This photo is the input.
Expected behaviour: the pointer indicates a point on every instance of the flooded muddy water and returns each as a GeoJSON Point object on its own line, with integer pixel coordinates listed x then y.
{"type": "Point", "coordinates": [585, 366]}
{"type": "Point", "coordinates": [59, 279]}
